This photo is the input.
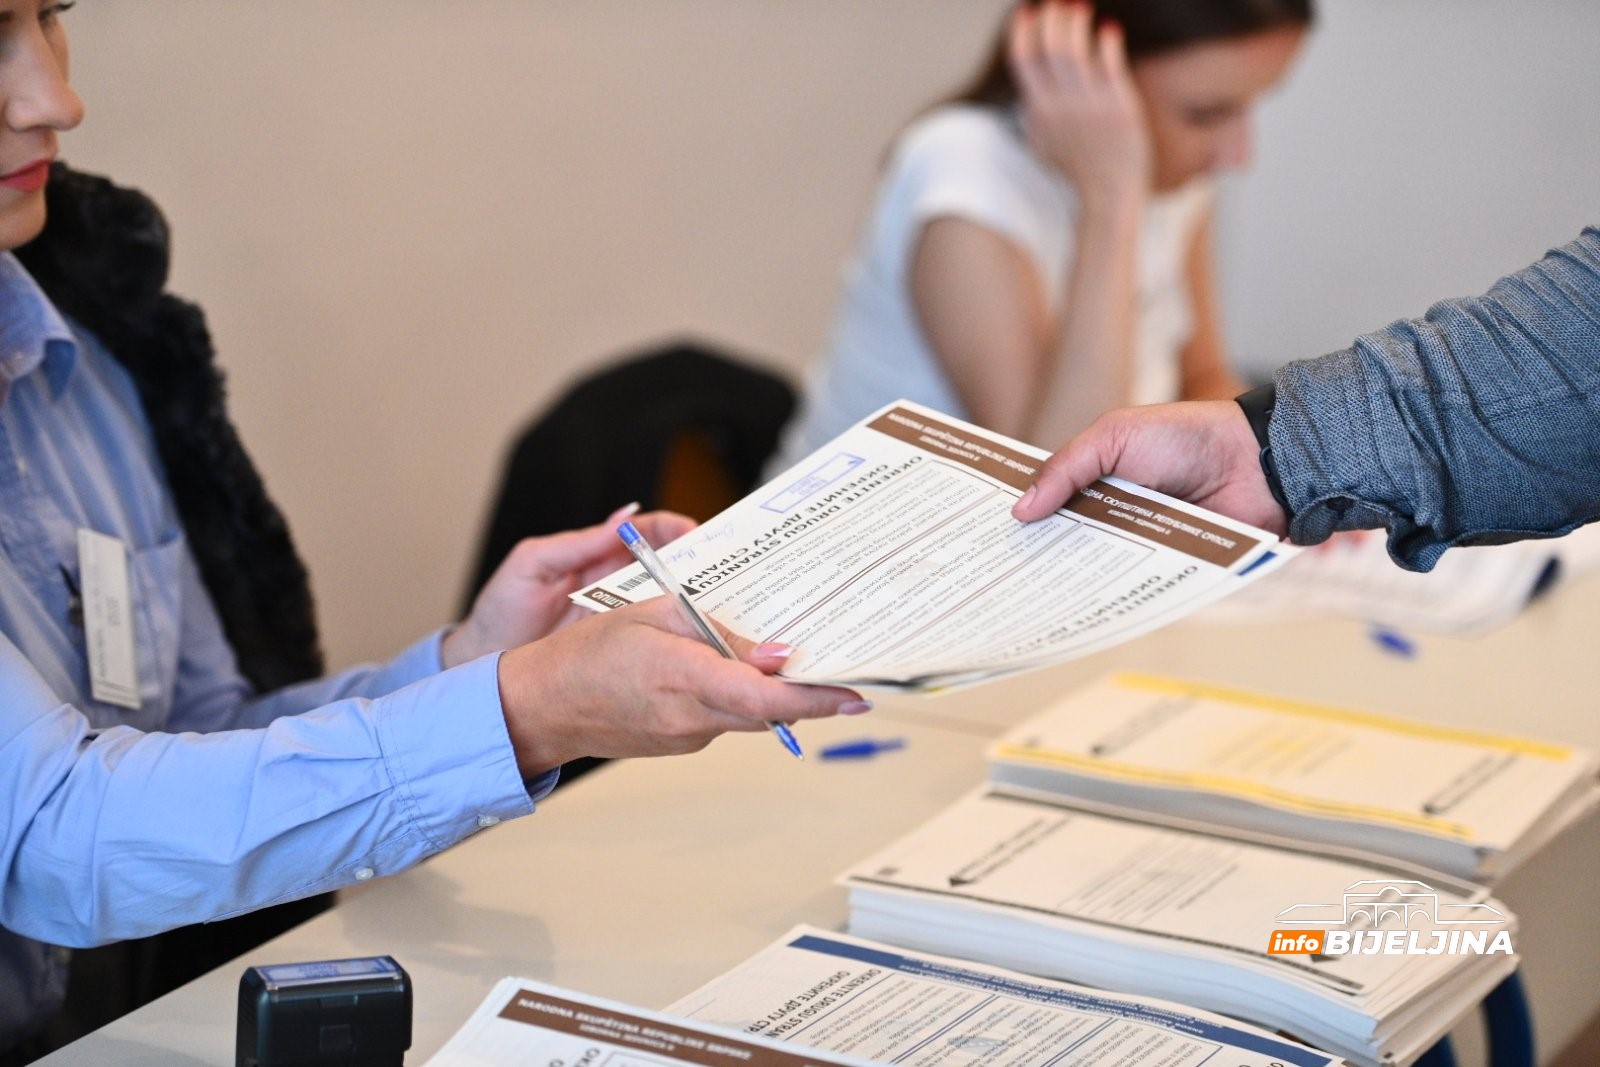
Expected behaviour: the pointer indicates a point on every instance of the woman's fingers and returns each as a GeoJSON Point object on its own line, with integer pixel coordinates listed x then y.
{"type": "Point", "coordinates": [1064, 35]}
{"type": "Point", "coordinates": [1025, 52]}
{"type": "Point", "coordinates": [1113, 49]}
{"type": "Point", "coordinates": [1081, 110]}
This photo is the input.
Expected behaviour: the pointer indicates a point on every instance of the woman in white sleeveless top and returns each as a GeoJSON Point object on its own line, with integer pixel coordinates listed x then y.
{"type": "Point", "coordinates": [1040, 247]}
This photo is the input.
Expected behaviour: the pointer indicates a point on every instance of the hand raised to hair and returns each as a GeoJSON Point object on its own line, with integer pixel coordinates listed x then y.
{"type": "Point", "coordinates": [1080, 108]}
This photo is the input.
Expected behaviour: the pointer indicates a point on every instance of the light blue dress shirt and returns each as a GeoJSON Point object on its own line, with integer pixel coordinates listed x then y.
{"type": "Point", "coordinates": [206, 800]}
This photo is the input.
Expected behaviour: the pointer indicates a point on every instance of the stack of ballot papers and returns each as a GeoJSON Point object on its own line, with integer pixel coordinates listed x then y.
{"type": "Point", "coordinates": [889, 559]}
{"type": "Point", "coordinates": [526, 1022]}
{"type": "Point", "coordinates": [1469, 592]}
{"type": "Point", "coordinates": [1366, 962]}
{"type": "Point", "coordinates": [840, 994]}
{"type": "Point", "coordinates": [1469, 803]}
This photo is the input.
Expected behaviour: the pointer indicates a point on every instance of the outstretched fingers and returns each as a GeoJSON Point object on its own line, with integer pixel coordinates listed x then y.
{"type": "Point", "coordinates": [750, 700]}
{"type": "Point", "coordinates": [742, 692]}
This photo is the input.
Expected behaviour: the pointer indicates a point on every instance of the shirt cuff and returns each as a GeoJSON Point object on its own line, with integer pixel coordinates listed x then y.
{"type": "Point", "coordinates": [449, 755]}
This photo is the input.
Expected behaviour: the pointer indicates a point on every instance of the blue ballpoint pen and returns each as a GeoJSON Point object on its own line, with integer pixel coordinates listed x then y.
{"type": "Point", "coordinates": [669, 585]}
{"type": "Point", "coordinates": [863, 749]}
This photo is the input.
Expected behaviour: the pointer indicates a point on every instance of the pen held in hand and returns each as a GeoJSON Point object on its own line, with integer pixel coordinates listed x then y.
{"type": "Point", "coordinates": [669, 585]}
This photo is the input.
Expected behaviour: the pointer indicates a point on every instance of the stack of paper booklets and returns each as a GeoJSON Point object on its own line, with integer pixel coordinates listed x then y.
{"type": "Point", "coordinates": [1191, 842]}
{"type": "Point", "coordinates": [889, 559]}
{"type": "Point", "coordinates": [1470, 803]}
{"type": "Point", "coordinates": [1192, 917]}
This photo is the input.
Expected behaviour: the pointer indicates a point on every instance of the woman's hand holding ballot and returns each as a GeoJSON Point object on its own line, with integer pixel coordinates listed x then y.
{"type": "Point", "coordinates": [640, 681]}
{"type": "Point", "coordinates": [527, 596]}
{"type": "Point", "coordinates": [634, 682]}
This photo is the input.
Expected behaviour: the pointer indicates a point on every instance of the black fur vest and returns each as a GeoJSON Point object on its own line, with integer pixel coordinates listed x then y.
{"type": "Point", "coordinates": [103, 259]}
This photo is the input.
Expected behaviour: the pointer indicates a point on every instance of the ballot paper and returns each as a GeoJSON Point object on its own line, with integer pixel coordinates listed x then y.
{"type": "Point", "coordinates": [889, 558]}
{"type": "Point", "coordinates": [1469, 592]}
{"type": "Point", "coordinates": [1468, 802]}
{"type": "Point", "coordinates": [526, 1022]}
{"type": "Point", "coordinates": [842, 994]}
{"type": "Point", "coordinates": [1194, 918]}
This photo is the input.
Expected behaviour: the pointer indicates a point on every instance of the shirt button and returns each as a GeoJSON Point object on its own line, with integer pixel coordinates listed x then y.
{"type": "Point", "coordinates": [364, 873]}
{"type": "Point", "coordinates": [486, 821]}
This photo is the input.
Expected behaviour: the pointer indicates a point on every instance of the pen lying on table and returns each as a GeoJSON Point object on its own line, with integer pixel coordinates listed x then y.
{"type": "Point", "coordinates": [669, 585]}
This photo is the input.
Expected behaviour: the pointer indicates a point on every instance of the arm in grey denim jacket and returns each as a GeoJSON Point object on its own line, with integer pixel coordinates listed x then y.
{"type": "Point", "coordinates": [1475, 424]}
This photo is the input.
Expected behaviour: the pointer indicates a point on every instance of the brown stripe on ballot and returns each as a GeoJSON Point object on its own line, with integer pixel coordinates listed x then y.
{"type": "Point", "coordinates": [1144, 518]}
{"type": "Point", "coordinates": [992, 458]}
{"type": "Point", "coordinates": [653, 1035]}
{"type": "Point", "coordinates": [1149, 519]}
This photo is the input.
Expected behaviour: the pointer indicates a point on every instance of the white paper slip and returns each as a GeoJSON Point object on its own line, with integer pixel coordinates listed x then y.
{"type": "Point", "coordinates": [108, 618]}
{"type": "Point", "coordinates": [527, 1022]}
{"type": "Point", "coordinates": [890, 558]}
{"type": "Point", "coordinates": [839, 993]}
{"type": "Point", "coordinates": [1467, 802]}
{"type": "Point", "coordinates": [1470, 591]}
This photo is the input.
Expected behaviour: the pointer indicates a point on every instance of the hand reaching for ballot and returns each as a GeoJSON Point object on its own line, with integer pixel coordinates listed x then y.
{"type": "Point", "coordinates": [527, 596]}
{"type": "Point", "coordinates": [639, 682]}
{"type": "Point", "coordinates": [1201, 451]}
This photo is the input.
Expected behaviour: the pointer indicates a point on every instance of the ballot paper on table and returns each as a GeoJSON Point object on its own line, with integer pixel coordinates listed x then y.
{"type": "Point", "coordinates": [1040, 887]}
{"type": "Point", "coordinates": [889, 558]}
{"type": "Point", "coordinates": [843, 994]}
{"type": "Point", "coordinates": [1471, 803]}
{"type": "Point", "coordinates": [1469, 591]}
{"type": "Point", "coordinates": [526, 1022]}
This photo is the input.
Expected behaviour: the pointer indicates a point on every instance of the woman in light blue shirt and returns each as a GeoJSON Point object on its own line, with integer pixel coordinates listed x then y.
{"type": "Point", "coordinates": [164, 789]}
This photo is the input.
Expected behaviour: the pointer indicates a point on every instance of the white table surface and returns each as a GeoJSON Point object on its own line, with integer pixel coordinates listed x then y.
{"type": "Point", "coordinates": [649, 877]}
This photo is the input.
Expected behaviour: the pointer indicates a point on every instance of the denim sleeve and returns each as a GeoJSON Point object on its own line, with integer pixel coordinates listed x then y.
{"type": "Point", "coordinates": [118, 833]}
{"type": "Point", "coordinates": [1476, 424]}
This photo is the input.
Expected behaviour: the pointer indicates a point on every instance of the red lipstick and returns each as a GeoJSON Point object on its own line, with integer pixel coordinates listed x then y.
{"type": "Point", "coordinates": [29, 179]}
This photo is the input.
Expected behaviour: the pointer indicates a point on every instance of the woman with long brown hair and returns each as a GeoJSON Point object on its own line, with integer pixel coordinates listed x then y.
{"type": "Point", "coordinates": [1040, 250]}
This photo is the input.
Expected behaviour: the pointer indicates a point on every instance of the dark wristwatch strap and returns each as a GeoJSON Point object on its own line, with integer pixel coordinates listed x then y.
{"type": "Point", "coordinates": [1257, 405]}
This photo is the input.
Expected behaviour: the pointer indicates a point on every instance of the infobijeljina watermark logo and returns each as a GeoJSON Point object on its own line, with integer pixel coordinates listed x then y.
{"type": "Point", "coordinates": [1426, 926]}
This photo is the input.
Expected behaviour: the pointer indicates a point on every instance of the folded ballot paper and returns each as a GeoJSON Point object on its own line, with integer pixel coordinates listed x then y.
{"type": "Point", "coordinates": [1363, 961]}
{"type": "Point", "coordinates": [831, 992]}
{"type": "Point", "coordinates": [890, 559]}
{"type": "Point", "coordinates": [1466, 802]}
{"type": "Point", "coordinates": [526, 1022]}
